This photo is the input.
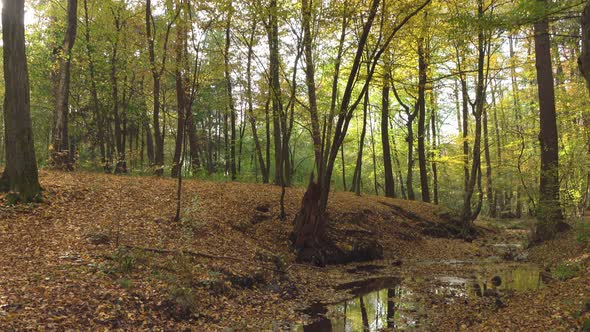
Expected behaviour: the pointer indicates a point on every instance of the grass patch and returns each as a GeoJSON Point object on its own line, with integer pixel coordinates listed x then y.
{"type": "Point", "coordinates": [125, 283]}
{"type": "Point", "coordinates": [566, 271]}
{"type": "Point", "coordinates": [582, 232]}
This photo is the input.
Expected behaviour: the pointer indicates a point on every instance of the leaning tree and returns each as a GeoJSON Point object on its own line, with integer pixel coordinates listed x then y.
{"type": "Point", "coordinates": [310, 222]}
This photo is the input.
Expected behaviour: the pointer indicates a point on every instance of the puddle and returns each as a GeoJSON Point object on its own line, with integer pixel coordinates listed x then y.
{"type": "Point", "coordinates": [405, 304]}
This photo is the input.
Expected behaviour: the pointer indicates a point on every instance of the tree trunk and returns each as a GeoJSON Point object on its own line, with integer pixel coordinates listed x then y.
{"type": "Point", "coordinates": [434, 153]}
{"type": "Point", "coordinates": [584, 59]}
{"type": "Point", "coordinates": [309, 226]}
{"type": "Point", "coordinates": [468, 214]}
{"type": "Point", "coordinates": [464, 130]}
{"type": "Point", "coordinates": [489, 186]}
{"type": "Point", "coordinates": [20, 174]}
{"type": "Point", "coordinates": [251, 117]}
{"type": "Point", "coordinates": [410, 116]}
{"type": "Point", "coordinates": [387, 167]}
{"type": "Point", "coordinates": [119, 143]}
{"type": "Point", "coordinates": [422, 68]}
{"type": "Point", "coordinates": [93, 89]}
{"type": "Point", "coordinates": [231, 106]}
{"type": "Point", "coordinates": [356, 178]}
{"type": "Point", "coordinates": [374, 157]}
{"type": "Point", "coordinates": [61, 156]}
{"type": "Point", "coordinates": [180, 99]}
{"type": "Point", "coordinates": [410, 172]}
{"type": "Point", "coordinates": [498, 194]}
{"type": "Point", "coordinates": [343, 166]}
{"type": "Point", "coordinates": [267, 131]}
{"type": "Point", "coordinates": [549, 214]}
{"type": "Point", "coordinates": [156, 76]}
{"type": "Point", "coordinates": [275, 91]}
{"type": "Point", "coordinates": [398, 166]}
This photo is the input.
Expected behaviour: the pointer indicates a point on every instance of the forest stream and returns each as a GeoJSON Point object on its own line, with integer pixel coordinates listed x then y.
{"type": "Point", "coordinates": [405, 303]}
{"type": "Point", "coordinates": [409, 297]}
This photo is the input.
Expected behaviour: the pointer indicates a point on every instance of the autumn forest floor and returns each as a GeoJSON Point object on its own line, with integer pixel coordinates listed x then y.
{"type": "Point", "coordinates": [102, 253]}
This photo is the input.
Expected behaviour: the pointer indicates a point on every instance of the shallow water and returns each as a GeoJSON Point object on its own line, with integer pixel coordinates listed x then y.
{"type": "Point", "coordinates": [403, 304]}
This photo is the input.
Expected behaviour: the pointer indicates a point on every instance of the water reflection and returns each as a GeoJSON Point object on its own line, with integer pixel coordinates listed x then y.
{"type": "Point", "coordinates": [389, 307]}
{"type": "Point", "coordinates": [369, 312]}
{"type": "Point", "coordinates": [403, 304]}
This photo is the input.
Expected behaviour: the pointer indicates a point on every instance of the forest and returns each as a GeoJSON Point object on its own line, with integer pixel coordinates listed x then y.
{"type": "Point", "coordinates": [272, 165]}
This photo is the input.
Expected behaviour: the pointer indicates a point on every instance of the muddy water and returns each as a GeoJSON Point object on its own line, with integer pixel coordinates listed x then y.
{"type": "Point", "coordinates": [405, 303]}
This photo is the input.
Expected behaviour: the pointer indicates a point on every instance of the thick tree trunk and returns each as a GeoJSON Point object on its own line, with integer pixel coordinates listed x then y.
{"type": "Point", "coordinates": [584, 59]}
{"type": "Point", "coordinates": [549, 214]}
{"type": "Point", "coordinates": [584, 66]}
{"type": "Point", "coordinates": [149, 142]}
{"type": "Point", "coordinates": [20, 174]}
{"type": "Point", "coordinates": [61, 157]}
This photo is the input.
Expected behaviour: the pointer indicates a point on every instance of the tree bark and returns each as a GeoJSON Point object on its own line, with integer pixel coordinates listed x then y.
{"type": "Point", "coordinates": [230, 98]}
{"type": "Point", "coordinates": [356, 178]}
{"type": "Point", "coordinates": [410, 116]}
{"type": "Point", "coordinates": [584, 59]}
{"type": "Point", "coordinates": [180, 98]}
{"type": "Point", "coordinates": [61, 156]}
{"type": "Point", "coordinates": [469, 214]}
{"type": "Point", "coordinates": [20, 174]}
{"type": "Point", "coordinates": [251, 117]}
{"type": "Point", "coordinates": [549, 214]}
{"type": "Point", "coordinates": [434, 153]}
{"type": "Point", "coordinates": [387, 167]}
{"type": "Point", "coordinates": [422, 68]}
{"type": "Point", "coordinates": [498, 194]}
{"type": "Point", "coordinates": [156, 76]}
{"type": "Point", "coordinates": [489, 186]}
{"type": "Point", "coordinates": [98, 116]}
{"type": "Point", "coordinates": [275, 92]}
